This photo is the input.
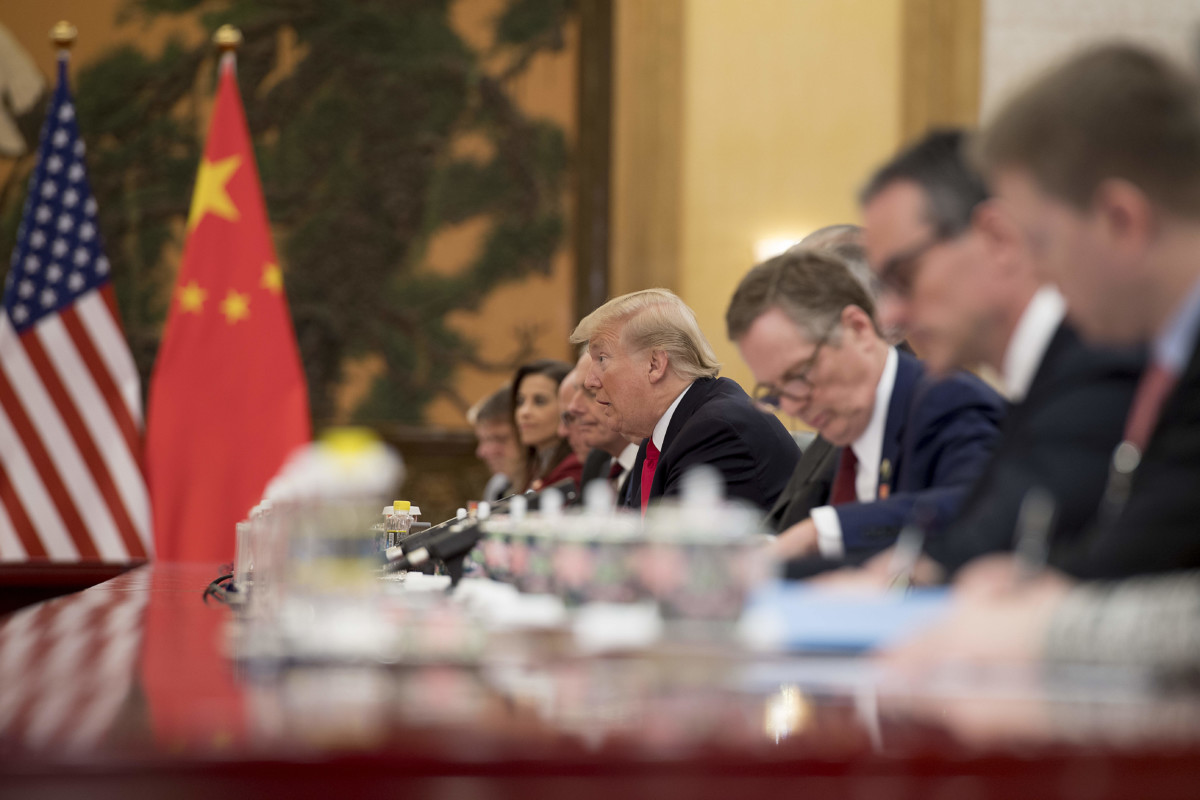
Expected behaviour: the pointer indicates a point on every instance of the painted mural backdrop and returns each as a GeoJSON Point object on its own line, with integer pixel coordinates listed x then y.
{"type": "Point", "coordinates": [379, 127]}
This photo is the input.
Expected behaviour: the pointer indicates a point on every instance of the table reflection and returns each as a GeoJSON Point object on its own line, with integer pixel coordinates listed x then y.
{"type": "Point", "coordinates": [139, 667]}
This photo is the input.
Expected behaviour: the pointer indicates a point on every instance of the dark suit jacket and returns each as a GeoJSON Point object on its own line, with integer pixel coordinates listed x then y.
{"type": "Point", "coordinates": [1059, 438]}
{"type": "Point", "coordinates": [717, 424]}
{"type": "Point", "coordinates": [596, 465]}
{"type": "Point", "coordinates": [938, 437]}
{"type": "Point", "coordinates": [1157, 529]}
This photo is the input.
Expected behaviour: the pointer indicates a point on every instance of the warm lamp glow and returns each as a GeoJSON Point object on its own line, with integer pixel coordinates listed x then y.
{"type": "Point", "coordinates": [774, 245]}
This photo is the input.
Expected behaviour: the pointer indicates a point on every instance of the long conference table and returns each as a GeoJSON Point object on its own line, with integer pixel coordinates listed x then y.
{"type": "Point", "coordinates": [128, 689]}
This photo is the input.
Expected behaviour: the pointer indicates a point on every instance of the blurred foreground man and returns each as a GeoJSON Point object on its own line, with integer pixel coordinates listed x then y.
{"type": "Point", "coordinates": [890, 438]}
{"type": "Point", "coordinates": [656, 377]}
{"type": "Point", "coordinates": [1100, 160]}
{"type": "Point", "coordinates": [958, 279]}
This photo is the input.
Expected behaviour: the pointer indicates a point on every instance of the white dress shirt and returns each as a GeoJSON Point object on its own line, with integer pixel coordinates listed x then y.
{"type": "Point", "coordinates": [664, 422]}
{"type": "Point", "coordinates": [626, 459]}
{"type": "Point", "coordinates": [1027, 345]}
{"type": "Point", "coordinates": [868, 449]}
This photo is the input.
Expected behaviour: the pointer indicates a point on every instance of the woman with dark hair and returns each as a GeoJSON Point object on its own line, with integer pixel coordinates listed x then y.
{"type": "Point", "coordinates": [548, 457]}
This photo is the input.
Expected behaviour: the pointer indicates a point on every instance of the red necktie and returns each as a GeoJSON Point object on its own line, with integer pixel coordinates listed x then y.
{"type": "Point", "coordinates": [843, 485]}
{"type": "Point", "coordinates": [1156, 383]}
{"type": "Point", "coordinates": [649, 464]}
{"type": "Point", "coordinates": [615, 471]}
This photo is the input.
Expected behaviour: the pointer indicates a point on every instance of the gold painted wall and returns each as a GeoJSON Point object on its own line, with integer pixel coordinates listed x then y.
{"type": "Point", "coordinates": [742, 120]}
{"type": "Point", "coordinates": [786, 107]}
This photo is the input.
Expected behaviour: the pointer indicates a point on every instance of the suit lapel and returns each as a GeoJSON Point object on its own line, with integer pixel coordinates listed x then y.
{"type": "Point", "coordinates": [696, 395]}
{"type": "Point", "coordinates": [895, 428]}
{"type": "Point", "coordinates": [633, 484]}
{"type": "Point", "coordinates": [809, 484]}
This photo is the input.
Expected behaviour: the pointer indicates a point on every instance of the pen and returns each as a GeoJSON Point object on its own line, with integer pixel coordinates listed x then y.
{"type": "Point", "coordinates": [909, 545]}
{"type": "Point", "coordinates": [1035, 521]}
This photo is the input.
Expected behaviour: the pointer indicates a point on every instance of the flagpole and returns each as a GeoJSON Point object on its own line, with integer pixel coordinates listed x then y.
{"type": "Point", "coordinates": [228, 39]}
{"type": "Point", "coordinates": [63, 36]}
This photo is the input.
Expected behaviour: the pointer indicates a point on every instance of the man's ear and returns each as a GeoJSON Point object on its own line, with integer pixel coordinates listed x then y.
{"type": "Point", "coordinates": [1124, 215]}
{"type": "Point", "coordinates": [857, 322]}
{"type": "Point", "coordinates": [659, 365]}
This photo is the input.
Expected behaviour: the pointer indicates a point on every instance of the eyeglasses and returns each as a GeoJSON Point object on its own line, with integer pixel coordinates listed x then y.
{"type": "Point", "coordinates": [796, 380]}
{"type": "Point", "coordinates": [897, 274]}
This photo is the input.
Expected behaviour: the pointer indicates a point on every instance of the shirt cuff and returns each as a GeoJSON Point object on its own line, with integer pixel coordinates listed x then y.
{"type": "Point", "coordinates": [829, 532]}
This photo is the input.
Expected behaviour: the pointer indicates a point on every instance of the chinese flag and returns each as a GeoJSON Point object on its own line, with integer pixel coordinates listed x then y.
{"type": "Point", "coordinates": [227, 398]}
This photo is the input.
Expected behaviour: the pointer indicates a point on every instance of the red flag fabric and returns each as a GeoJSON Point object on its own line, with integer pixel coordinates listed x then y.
{"type": "Point", "coordinates": [227, 398]}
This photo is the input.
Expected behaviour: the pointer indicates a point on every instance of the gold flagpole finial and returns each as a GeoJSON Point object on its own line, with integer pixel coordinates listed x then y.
{"type": "Point", "coordinates": [227, 38]}
{"type": "Point", "coordinates": [63, 34]}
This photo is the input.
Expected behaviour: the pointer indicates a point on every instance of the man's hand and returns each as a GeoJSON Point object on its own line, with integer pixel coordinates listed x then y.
{"type": "Point", "coordinates": [798, 540]}
{"type": "Point", "coordinates": [993, 619]}
{"type": "Point", "coordinates": [878, 573]}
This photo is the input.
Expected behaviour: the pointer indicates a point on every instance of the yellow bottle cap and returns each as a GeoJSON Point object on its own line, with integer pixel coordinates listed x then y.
{"type": "Point", "coordinates": [401, 505]}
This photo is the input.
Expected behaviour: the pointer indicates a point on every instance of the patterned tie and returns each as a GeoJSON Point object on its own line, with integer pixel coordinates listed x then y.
{"type": "Point", "coordinates": [648, 466]}
{"type": "Point", "coordinates": [1156, 383]}
{"type": "Point", "coordinates": [843, 485]}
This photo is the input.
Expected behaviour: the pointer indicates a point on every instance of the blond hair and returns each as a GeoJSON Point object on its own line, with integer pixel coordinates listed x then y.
{"type": "Point", "coordinates": [654, 319]}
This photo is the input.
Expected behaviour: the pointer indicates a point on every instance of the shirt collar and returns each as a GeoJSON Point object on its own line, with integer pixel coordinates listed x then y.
{"type": "Point", "coordinates": [628, 457]}
{"type": "Point", "coordinates": [1174, 343]}
{"type": "Point", "coordinates": [660, 430]}
{"type": "Point", "coordinates": [1027, 345]}
{"type": "Point", "coordinates": [868, 447]}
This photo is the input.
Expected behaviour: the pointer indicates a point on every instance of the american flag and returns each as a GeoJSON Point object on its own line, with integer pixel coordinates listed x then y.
{"type": "Point", "coordinates": [71, 483]}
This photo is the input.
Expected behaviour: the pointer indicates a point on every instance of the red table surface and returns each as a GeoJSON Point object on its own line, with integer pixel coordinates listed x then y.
{"type": "Point", "coordinates": [125, 690]}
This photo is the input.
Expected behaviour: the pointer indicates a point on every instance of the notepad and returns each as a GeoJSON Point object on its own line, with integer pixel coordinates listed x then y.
{"type": "Point", "coordinates": [795, 617]}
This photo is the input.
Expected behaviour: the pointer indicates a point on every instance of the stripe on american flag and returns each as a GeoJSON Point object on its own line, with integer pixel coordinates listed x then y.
{"type": "Point", "coordinates": [28, 490]}
{"type": "Point", "coordinates": [95, 432]}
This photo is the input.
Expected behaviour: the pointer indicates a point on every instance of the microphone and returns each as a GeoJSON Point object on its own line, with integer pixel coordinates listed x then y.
{"type": "Point", "coordinates": [451, 548]}
{"type": "Point", "coordinates": [414, 541]}
{"type": "Point", "coordinates": [452, 541]}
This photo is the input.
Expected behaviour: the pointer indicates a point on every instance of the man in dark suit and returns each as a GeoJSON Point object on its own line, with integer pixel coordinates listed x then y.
{"type": "Point", "coordinates": [1099, 162]}
{"type": "Point", "coordinates": [655, 374]}
{"type": "Point", "coordinates": [957, 278]}
{"type": "Point", "coordinates": [1106, 185]}
{"type": "Point", "coordinates": [890, 439]}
